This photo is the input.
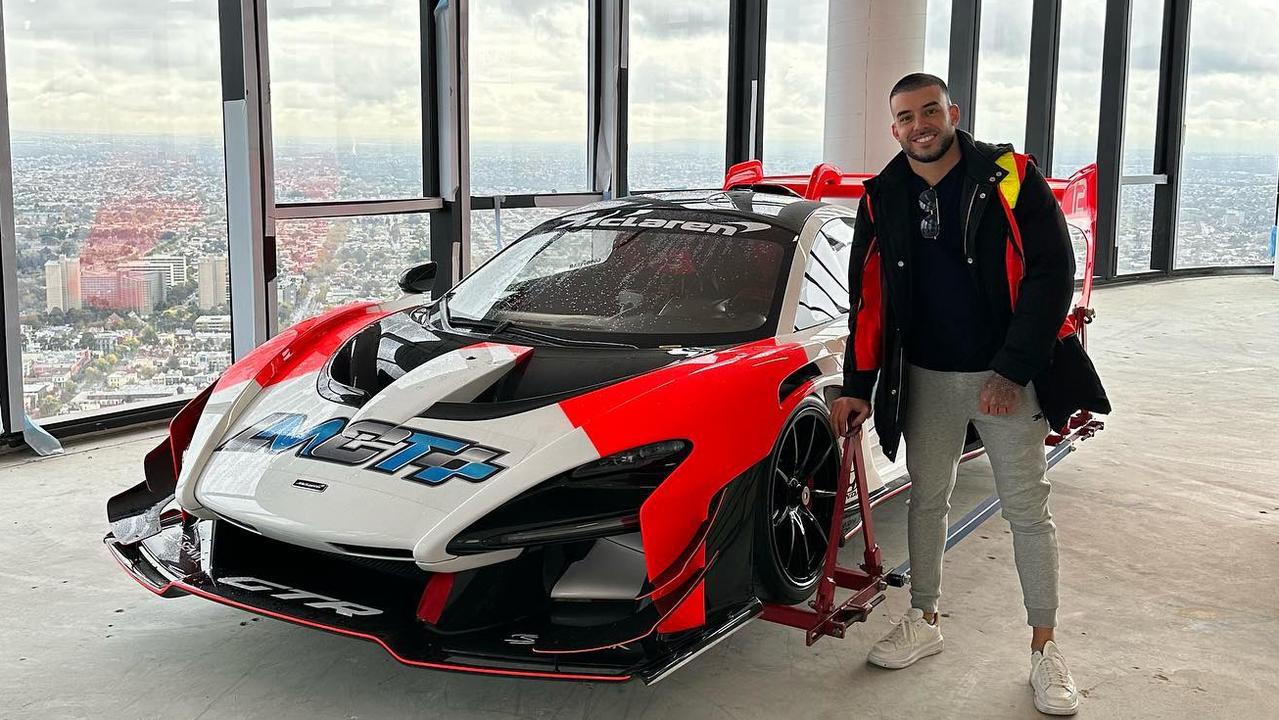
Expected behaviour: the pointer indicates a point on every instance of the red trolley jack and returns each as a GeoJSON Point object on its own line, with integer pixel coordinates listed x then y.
{"type": "Point", "coordinates": [826, 617]}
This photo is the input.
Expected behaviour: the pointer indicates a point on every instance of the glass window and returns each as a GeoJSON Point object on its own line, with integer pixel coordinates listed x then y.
{"type": "Point", "coordinates": [1228, 161]}
{"type": "Point", "coordinates": [528, 100]}
{"type": "Point", "coordinates": [1136, 228]}
{"type": "Point", "coordinates": [795, 85]}
{"type": "Point", "coordinates": [1142, 103]}
{"type": "Point", "coordinates": [937, 39]}
{"type": "Point", "coordinates": [824, 294]}
{"type": "Point", "coordinates": [119, 197]}
{"type": "Point", "coordinates": [1003, 71]}
{"type": "Point", "coordinates": [491, 231]}
{"type": "Point", "coordinates": [324, 263]}
{"type": "Point", "coordinates": [346, 99]}
{"type": "Point", "coordinates": [634, 277]}
{"type": "Point", "coordinates": [678, 94]}
{"type": "Point", "coordinates": [1078, 103]}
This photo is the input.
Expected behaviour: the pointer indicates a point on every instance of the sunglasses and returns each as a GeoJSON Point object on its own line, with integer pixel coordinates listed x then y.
{"type": "Point", "coordinates": [930, 226]}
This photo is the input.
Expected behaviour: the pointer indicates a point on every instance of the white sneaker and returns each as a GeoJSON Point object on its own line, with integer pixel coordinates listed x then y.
{"type": "Point", "coordinates": [912, 639]}
{"type": "Point", "coordinates": [1055, 692]}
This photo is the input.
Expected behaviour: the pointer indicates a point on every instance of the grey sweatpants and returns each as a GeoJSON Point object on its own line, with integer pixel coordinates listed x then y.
{"type": "Point", "coordinates": [939, 407]}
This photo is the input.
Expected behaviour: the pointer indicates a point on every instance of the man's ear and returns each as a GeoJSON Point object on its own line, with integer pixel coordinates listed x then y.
{"type": "Point", "coordinates": [954, 114]}
{"type": "Point", "coordinates": [892, 127]}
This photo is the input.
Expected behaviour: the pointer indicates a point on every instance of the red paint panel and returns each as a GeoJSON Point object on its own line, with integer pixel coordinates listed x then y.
{"type": "Point", "coordinates": [302, 348]}
{"type": "Point", "coordinates": [726, 405]}
{"type": "Point", "coordinates": [744, 173]}
{"type": "Point", "coordinates": [1014, 265]}
{"type": "Point", "coordinates": [436, 594]}
{"type": "Point", "coordinates": [182, 427]}
{"type": "Point", "coordinates": [823, 177]}
{"type": "Point", "coordinates": [868, 347]}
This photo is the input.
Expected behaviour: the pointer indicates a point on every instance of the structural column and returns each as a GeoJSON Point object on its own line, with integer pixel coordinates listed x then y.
{"type": "Point", "coordinates": [451, 226]}
{"type": "Point", "coordinates": [870, 44]}
{"type": "Point", "coordinates": [11, 409]}
{"type": "Point", "coordinates": [1170, 131]}
{"type": "Point", "coordinates": [246, 129]}
{"type": "Point", "coordinates": [747, 36]}
{"type": "Point", "coordinates": [1110, 138]}
{"type": "Point", "coordinates": [1041, 105]}
{"type": "Point", "coordinates": [965, 34]}
{"type": "Point", "coordinates": [609, 22]}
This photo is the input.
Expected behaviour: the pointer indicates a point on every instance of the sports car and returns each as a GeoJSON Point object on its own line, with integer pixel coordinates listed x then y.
{"type": "Point", "coordinates": [599, 454]}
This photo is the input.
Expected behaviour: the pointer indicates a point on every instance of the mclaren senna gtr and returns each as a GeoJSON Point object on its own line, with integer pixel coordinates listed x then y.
{"type": "Point", "coordinates": [599, 454]}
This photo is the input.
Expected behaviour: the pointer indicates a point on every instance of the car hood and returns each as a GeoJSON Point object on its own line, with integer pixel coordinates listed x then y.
{"type": "Point", "coordinates": [369, 434]}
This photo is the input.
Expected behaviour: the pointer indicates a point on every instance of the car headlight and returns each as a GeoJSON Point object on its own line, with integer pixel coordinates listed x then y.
{"type": "Point", "coordinates": [598, 499]}
{"type": "Point", "coordinates": [633, 459]}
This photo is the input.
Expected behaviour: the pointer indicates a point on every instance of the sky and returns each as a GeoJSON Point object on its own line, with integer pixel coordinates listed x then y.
{"type": "Point", "coordinates": [348, 69]}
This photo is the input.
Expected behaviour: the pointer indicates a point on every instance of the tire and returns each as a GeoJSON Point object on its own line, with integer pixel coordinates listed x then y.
{"type": "Point", "coordinates": [796, 499]}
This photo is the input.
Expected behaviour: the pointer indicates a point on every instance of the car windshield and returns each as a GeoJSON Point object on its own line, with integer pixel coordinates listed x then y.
{"type": "Point", "coordinates": [681, 278]}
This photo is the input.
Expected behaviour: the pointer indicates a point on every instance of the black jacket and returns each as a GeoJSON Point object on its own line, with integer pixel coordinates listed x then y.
{"type": "Point", "coordinates": [882, 238]}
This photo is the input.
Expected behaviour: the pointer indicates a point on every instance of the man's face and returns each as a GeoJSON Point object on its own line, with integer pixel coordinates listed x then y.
{"type": "Point", "coordinates": [924, 122]}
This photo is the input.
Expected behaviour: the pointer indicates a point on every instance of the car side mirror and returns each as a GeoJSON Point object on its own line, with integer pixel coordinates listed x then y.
{"type": "Point", "coordinates": [418, 279]}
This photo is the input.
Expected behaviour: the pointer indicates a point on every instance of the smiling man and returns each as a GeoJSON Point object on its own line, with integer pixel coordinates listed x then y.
{"type": "Point", "coordinates": [964, 271]}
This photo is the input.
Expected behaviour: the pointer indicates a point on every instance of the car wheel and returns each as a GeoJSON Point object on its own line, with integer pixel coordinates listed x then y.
{"type": "Point", "coordinates": [798, 498]}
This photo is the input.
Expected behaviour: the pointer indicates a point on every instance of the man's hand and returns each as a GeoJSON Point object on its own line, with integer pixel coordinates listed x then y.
{"type": "Point", "coordinates": [848, 414]}
{"type": "Point", "coordinates": [1000, 396]}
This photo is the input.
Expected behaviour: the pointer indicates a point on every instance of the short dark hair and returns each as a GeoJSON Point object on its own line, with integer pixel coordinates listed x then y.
{"type": "Point", "coordinates": [915, 81]}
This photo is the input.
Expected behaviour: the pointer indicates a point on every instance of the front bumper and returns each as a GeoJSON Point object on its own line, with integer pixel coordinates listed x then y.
{"type": "Point", "coordinates": [380, 602]}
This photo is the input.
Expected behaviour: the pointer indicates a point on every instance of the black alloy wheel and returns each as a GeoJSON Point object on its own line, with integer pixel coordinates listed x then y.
{"type": "Point", "coordinates": [799, 499]}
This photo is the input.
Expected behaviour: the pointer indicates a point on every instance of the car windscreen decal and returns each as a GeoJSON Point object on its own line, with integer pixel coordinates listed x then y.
{"type": "Point", "coordinates": [645, 219]}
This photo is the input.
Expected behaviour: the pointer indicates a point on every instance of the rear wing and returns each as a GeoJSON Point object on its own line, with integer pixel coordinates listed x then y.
{"type": "Point", "coordinates": [1077, 196]}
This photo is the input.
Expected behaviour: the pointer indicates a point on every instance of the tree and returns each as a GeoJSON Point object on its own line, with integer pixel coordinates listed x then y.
{"type": "Point", "coordinates": [48, 405]}
{"type": "Point", "coordinates": [86, 341]}
{"type": "Point", "coordinates": [92, 376]}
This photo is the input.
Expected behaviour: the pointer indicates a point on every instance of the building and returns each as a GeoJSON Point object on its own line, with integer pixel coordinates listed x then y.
{"type": "Point", "coordinates": [152, 289]}
{"type": "Point", "coordinates": [211, 276]}
{"type": "Point", "coordinates": [126, 394]}
{"type": "Point", "coordinates": [173, 268]}
{"type": "Point", "coordinates": [213, 323]}
{"type": "Point", "coordinates": [57, 366]}
{"type": "Point", "coordinates": [138, 290]}
{"type": "Point", "coordinates": [62, 284]}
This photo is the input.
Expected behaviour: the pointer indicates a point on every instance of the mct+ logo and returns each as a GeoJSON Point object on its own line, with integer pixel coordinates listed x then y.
{"type": "Point", "coordinates": [375, 444]}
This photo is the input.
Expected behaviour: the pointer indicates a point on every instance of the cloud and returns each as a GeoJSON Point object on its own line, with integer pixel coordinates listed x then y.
{"type": "Point", "coordinates": [797, 21]}
{"type": "Point", "coordinates": [349, 69]}
{"type": "Point", "coordinates": [682, 21]}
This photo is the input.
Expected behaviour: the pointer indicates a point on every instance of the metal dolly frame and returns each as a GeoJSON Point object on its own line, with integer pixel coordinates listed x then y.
{"type": "Point", "coordinates": [868, 581]}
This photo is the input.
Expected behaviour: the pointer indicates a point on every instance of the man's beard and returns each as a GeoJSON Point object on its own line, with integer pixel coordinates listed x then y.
{"type": "Point", "coordinates": [946, 142]}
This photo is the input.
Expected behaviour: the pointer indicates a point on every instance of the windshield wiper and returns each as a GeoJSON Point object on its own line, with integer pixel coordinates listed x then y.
{"type": "Point", "coordinates": [507, 328]}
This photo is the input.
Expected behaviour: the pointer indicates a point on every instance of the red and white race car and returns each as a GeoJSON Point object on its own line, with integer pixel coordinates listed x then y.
{"type": "Point", "coordinates": [600, 453]}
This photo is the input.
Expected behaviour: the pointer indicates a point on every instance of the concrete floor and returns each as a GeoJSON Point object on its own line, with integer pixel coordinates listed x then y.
{"type": "Point", "coordinates": [1169, 532]}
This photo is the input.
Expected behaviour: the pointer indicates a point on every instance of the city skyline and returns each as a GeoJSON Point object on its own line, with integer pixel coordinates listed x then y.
{"type": "Point", "coordinates": [118, 164]}
{"type": "Point", "coordinates": [147, 207]}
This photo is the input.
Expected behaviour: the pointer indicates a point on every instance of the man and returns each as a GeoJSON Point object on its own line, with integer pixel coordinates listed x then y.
{"type": "Point", "coordinates": [959, 308]}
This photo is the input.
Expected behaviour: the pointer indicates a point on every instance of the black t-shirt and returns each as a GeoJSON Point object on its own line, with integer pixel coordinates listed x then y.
{"type": "Point", "coordinates": [951, 328]}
